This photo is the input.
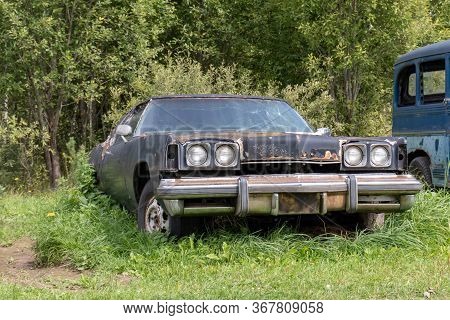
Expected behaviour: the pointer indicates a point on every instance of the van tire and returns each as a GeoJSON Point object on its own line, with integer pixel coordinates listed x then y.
{"type": "Point", "coordinates": [420, 168]}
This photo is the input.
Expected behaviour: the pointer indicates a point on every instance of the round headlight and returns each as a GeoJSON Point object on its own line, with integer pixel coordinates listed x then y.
{"type": "Point", "coordinates": [196, 155]}
{"type": "Point", "coordinates": [353, 156]}
{"type": "Point", "coordinates": [225, 155]}
{"type": "Point", "coordinates": [379, 156]}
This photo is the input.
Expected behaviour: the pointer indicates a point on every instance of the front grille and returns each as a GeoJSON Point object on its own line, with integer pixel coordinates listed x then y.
{"type": "Point", "coordinates": [287, 168]}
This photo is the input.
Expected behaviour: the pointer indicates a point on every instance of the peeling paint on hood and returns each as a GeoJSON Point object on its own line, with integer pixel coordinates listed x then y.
{"type": "Point", "coordinates": [273, 146]}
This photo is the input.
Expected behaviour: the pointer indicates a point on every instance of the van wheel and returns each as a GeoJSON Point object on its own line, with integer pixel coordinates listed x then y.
{"type": "Point", "coordinates": [420, 168]}
{"type": "Point", "coordinates": [372, 221]}
{"type": "Point", "coordinates": [152, 218]}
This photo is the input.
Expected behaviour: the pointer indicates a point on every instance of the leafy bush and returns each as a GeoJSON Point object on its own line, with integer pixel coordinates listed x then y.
{"type": "Point", "coordinates": [20, 153]}
{"type": "Point", "coordinates": [80, 173]}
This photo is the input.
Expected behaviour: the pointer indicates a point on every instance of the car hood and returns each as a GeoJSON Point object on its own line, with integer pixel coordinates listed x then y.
{"type": "Point", "coordinates": [273, 146]}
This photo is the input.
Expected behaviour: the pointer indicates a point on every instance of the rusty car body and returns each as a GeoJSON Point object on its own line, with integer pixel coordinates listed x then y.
{"type": "Point", "coordinates": [176, 159]}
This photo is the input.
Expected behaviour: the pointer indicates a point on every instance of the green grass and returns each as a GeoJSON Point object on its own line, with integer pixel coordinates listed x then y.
{"type": "Point", "coordinates": [401, 261]}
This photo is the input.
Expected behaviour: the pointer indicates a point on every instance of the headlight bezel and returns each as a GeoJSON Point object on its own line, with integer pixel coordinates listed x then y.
{"type": "Point", "coordinates": [233, 146]}
{"type": "Point", "coordinates": [210, 145]}
{"type": "Point", "coordinates": [207, 148]}
{"type": "Point", "coordinates": [363, 149]}
{"type": "Point", "coordinates": [368, 146]}
{"type": "Point", "coordinates": [388, 149]}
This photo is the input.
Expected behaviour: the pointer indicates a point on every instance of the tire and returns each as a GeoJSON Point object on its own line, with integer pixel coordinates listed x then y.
{"type": "Point", "coordinates": [420, 168]}
{"type": "Point", "coordinates": [151, 217]}
{"type": "Point", "coordinates": [372, 221]}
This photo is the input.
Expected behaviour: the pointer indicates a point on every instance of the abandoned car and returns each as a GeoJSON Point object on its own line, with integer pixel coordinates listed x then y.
{"type": "Point", "coordinates": [174, 160]}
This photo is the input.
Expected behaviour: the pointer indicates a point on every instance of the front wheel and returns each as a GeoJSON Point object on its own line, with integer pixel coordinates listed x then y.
{"type": "Point", "coordinates": [152, 218]}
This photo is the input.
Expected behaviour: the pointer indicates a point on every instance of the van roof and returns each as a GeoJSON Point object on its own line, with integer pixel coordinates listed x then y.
{"type": "Point", "coordinates": [430, 50]}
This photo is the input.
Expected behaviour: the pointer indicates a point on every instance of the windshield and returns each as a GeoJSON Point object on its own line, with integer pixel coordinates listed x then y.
{"type": "Point", "coordinates": [221, 114]}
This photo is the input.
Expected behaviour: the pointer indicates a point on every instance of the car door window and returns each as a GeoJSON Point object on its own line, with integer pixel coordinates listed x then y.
{"type": "Point", "coordinates": [407, 86]}
{"type": "Point", "coordinates": [132, 119]}
{"type": "Point", "coordinates": [432, 81]}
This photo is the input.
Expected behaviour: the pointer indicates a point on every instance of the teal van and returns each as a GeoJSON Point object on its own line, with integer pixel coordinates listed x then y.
{"type": "Point", "coordinates": [421, 110]}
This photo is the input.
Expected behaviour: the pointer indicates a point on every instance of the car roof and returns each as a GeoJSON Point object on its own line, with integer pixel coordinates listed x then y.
{"type": "Point", "coordinates": [205, 96]}
{"type": "Point", "coordinates": [430, 50]}
{"type": "Point", "coordinates": [212, 96]}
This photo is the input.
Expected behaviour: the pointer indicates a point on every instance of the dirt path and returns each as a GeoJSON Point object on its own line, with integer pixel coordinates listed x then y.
{"type": "Point", "coordinates": [17, 265]}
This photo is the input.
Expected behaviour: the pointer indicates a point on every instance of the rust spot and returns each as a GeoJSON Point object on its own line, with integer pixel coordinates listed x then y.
{"type": "Point", "coordinates": [268, 146]}
{"type": "Point", "coordinates": [291, 203]}
{"type": "Point", "coordinates": [106, 145]}
{"type": "Point", "coordinates": [336, 201]}
{"type": "Point", "coordinates": [323, 155]}
{"type": "Point", "coordinates": [260, 204]}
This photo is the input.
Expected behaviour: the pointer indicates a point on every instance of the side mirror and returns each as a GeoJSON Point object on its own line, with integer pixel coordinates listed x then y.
{"type": "Point", "coordinates": [324, 132]}
{"type": "Point", "coordinates": [124, 130]}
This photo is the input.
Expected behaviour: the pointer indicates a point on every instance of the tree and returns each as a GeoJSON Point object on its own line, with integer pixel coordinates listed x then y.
{"type": "Point", "coordinates": [259, 36]}
{"type": "Point", "coordinates": [353, 46]}
{"type": "Point", "coordinates": [70, 67]}
{"type": "Point", "coordinates": [63, 58]}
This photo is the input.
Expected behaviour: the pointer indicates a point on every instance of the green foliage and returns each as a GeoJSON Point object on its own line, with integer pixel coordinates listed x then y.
{"type": "Point", "coordinates": [313, 102]}
{"type": "Point", "coordinates": [81, 173]}
{"type": "Point", "coordinates": [185, 76]}
{"type": "Point", "coordinates": [260, 36]}
{"type": "Point", "coordinates": [70, 68]}
{"type": "Point", "coordinates": [62, 59]}
{"type": "Point", "coordinates": [353, 46]}
{"type": "Point", "coordinates": [20, 144]}
{"type": "Point", "coordinates": [440, 11]}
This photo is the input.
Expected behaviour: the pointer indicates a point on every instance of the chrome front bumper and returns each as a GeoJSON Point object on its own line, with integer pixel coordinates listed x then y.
{"type": "Point", "coordinates": [290, 194]}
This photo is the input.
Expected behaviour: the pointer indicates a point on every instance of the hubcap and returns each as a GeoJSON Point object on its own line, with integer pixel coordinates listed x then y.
{"type": "Point", "coordinates": [156, 220]}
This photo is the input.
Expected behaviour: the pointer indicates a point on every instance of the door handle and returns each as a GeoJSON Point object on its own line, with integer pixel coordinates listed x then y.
{"type": "Point", "coordinates": [447, 101]}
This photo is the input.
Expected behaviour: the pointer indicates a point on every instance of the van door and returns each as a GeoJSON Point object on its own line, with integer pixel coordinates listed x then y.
{"type": "Point", "coordinates": [447, 103]}
{"type": "Point", "coordinates": [433, 110]}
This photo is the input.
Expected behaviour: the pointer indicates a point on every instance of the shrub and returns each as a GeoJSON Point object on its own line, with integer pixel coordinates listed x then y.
{"type": "Point", "coordinates": [20, 153]}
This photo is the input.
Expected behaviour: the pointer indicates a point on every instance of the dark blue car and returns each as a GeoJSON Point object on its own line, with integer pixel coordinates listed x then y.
{"type": "Point", "coordinates": [421, 110]}
{"type": "Point", "coordinates": [177, 161]}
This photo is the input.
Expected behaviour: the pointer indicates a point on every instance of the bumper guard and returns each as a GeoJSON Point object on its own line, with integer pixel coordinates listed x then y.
{"type": "Point", "coordinates": [291, 194]}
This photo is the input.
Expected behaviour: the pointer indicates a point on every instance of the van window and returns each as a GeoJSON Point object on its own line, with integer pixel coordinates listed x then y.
{"type": "Point", "coordinates": [433, 81]}
{"type": "Point", "coordinates": [407, 86]}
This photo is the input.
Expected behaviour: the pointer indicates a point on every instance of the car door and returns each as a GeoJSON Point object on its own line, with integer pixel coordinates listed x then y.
{"type": "Point", "coordinates": [116, 158]}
